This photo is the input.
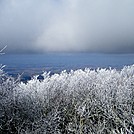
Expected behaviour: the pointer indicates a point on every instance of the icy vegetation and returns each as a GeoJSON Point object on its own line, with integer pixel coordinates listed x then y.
{"type": "Point", "coordinates": [86, 101]}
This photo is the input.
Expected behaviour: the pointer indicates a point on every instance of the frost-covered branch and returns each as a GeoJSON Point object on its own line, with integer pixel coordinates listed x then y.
{"type": "Point", "coordinates": [81, 101]}
{"type": "Point", "coordinates": [1, 51]}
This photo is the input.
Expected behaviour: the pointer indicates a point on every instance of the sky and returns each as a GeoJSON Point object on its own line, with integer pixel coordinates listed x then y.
{"type": "Point", "coordinates": [37, 26]}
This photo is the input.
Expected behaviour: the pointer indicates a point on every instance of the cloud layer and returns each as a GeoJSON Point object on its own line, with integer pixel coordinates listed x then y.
{"type": "Point", "coordinates": [67, 25]}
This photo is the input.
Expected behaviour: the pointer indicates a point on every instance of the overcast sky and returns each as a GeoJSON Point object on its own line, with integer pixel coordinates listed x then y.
{"type": "Point", "coordinates": [67, 25]}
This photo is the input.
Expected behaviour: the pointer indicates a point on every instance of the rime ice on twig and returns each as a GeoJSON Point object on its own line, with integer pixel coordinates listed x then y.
{"type": "Point", "coordinates": [1, 51]}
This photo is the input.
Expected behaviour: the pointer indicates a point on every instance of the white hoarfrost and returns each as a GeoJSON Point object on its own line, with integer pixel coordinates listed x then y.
{"type": "Point", "coordinates": [107, 84]}
{"type": "Point", "coordinates": [83, 101]}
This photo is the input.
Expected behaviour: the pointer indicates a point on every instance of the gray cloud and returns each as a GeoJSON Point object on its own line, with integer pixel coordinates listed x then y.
{"type": "Point", "coordinates": [67, 25]}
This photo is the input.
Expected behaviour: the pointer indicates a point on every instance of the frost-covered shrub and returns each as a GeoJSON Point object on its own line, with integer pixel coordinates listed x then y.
{"type": "Point", "coordinates": [97, 101]}
{"type": "Point", "coordinates": [7, 102]}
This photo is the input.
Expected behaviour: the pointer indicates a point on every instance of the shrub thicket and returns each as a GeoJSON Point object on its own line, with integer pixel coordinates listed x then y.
{"type": "Point", "coordinates": [79, 102]}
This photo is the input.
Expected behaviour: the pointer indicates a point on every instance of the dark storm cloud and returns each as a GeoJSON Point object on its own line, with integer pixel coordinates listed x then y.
{"type": "Point", "coordinates": [67, 25]}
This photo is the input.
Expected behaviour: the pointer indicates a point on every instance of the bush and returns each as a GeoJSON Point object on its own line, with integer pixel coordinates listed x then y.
{"type": "Point", "coordinates": [83, 101]}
